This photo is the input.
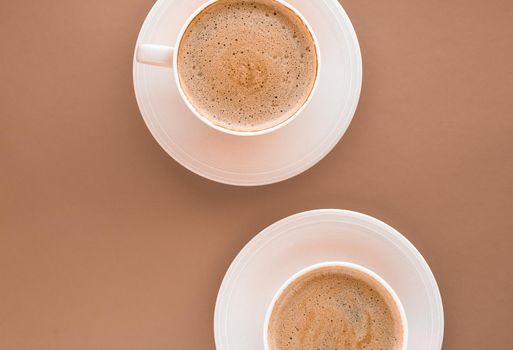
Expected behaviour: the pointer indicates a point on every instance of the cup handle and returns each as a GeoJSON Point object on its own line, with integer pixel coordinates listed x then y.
{"type": "Point", "coordinates": [156, 55]}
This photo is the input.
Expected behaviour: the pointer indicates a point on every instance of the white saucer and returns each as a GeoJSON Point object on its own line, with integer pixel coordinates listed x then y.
{"type": "Point", "coordinates": [258, 160]}
{"type": "Point", "coordinates": [298, 241]}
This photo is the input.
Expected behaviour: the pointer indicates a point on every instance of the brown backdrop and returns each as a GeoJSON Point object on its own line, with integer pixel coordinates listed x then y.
{"type": "Point", "coordinates": [107, 243]}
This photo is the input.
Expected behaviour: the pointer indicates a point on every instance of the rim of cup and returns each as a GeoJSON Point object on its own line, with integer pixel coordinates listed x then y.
{"type": "Point", "coordinates": [230, 131]}
{"type": "Point", "coordinates": [348, 265]}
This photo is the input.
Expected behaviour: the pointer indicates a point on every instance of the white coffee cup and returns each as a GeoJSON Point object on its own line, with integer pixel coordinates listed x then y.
{"type": "Point", "coordinates": [166, 56]}
{"type": "Point", "coordinates": [345, 265]}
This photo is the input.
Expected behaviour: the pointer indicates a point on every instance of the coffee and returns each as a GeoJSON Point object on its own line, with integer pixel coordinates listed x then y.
{"type": "Point", "coordinates": [335, 308]}
{"type": "Point", "coordinates": [247, 65]}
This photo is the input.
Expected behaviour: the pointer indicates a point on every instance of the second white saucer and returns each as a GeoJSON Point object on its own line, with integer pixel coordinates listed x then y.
{"type": "Point", "coordinates": [258, 160]}
{"type": "Point", "coordinates": [305, 239]}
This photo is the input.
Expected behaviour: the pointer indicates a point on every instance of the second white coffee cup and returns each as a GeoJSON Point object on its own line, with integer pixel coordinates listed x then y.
{"type": "Point", "coordinates": [346, 265]}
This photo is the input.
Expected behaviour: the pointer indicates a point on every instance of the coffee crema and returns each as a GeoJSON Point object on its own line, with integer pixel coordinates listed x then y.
{"type": "Point", "coordinates": [247, 65]}
{"type": "Point", "coordinates": [335, 308]}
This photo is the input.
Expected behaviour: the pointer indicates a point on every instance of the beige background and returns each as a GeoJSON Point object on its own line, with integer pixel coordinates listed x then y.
{"type": "Point", "coordinates": [107, 243]}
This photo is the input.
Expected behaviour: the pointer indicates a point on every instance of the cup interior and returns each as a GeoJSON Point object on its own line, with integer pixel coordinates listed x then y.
{"type": "Point", "coordinates": [360, 270]}
{"type": "Point", "coordinates": [218, 127]}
